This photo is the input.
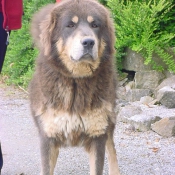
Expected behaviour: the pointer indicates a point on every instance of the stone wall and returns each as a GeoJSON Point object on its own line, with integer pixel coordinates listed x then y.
{"type": "Point", "coordinates": [146, 98]}
{"type": "Point", "coordinates": [146, 81]}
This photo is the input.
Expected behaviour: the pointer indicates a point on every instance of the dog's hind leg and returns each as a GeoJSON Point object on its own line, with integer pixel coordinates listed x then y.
{"type": "Point", "coordinates": [96, 151]}
{"type": "Point", "coordinates": [111, 153]}
{"type": "Point", "coordinates": [49, 154]}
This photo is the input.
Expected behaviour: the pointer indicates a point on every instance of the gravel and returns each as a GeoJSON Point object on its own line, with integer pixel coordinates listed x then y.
{"type": "Point", "coordinates": [139, 153]}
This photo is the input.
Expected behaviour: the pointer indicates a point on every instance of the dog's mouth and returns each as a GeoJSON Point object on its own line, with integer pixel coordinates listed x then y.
{"type": "Point", "coordinates": [86, 57]}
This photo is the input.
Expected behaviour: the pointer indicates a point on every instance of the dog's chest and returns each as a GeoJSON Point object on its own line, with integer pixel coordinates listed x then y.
{"type": "Point", "coordinates": [63, 125]}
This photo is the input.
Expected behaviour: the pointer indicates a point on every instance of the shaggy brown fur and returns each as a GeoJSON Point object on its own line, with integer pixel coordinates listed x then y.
{"type": "Point", "coordinates": [72, 92]}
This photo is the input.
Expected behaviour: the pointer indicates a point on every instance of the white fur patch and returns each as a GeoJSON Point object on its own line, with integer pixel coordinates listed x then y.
{"type": "Point", "coordinates": [93, 123]}
{"type": "Point", "coordinates": [76, 49]}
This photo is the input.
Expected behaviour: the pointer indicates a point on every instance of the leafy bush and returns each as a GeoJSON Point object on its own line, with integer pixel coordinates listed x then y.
{"type": "Point", "coordinates": [20, 56]}
{"type": "Point", "coordinates": [104, 2]}
{"type": "Point", "coordinates": [140, 26]}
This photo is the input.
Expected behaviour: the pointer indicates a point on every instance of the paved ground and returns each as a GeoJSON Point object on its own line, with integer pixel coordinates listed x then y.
{"type": "Point", "coordinates": [138, 153]}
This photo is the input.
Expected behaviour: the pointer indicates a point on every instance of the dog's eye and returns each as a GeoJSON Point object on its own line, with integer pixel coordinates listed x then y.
{"type": "Point", "coordinates": [94, 25]}
{"type": "Point", "coordinates": [71, 25]}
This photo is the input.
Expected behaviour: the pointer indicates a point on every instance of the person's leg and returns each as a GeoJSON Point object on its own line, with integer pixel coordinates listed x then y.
{"type": "Point", "coordinates": [3, 39]}
{"type": "Point", "coordinates": [1, 159]}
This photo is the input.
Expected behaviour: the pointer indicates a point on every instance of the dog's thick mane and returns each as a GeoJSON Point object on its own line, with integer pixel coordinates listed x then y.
{"type": "Point", "coordinates": [57, 86]}
{"type": "Point", "coordinates": [76, 95]}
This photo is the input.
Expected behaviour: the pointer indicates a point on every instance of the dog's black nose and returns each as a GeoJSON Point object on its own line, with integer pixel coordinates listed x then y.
{"type": "Point", "coordinates": [88, 43]}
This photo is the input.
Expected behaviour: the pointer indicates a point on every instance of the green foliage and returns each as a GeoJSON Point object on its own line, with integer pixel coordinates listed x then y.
{"type": "Point", "coordinates": [139, 26]}
{"type": "Point", "coordinates": [104, 2]}
{"type": "Point", "coordinates": [21, 54]}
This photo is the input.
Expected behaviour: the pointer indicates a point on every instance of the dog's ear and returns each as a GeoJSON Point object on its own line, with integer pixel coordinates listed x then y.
{"type": "Point", "coordinates": [42, 26]}
{"type": "Point", "coordinates": [46, 28]}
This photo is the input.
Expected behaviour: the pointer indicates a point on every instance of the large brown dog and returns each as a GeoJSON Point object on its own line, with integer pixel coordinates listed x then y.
{"type": "Point", "coordinates": [72, 92]}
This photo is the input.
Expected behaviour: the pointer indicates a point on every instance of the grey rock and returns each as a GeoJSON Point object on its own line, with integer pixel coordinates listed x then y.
{"type": "Point", "coordinates": [148, 79]}
{"type": "Point", "coordinates": [133, 61]}
{"type": "Point", "coordinates": [135, 94]}
{"type": "Point", "coordinates": [146, 100]}
{"type": "Point", "coordinates": [143, 122]}
{"type": "Point", "coordinates": [169, 74]}
{"type": "Point", "coordinates": [130, 128]}
{"type": "Point", "coordinates": [166, 96]}
{"type": "Point", "coordinates": [167, 82]}
{"type": "Point", "coordinates": [122, 76]}
{"type": "Point", "coordinates": [122, 103]}
{"type": "Point", "coordinates": [128, 111]}
{"type": "Point", "coordinates": [121, 93]}
{"type": "Point", "coordinates": [154, 102]}
{"type": "Point", "coordinates": [130, 86]}
{"type": "Point", "coordinates": [123, 81]}
{"type": "Point", "coordinates": [165, 127]}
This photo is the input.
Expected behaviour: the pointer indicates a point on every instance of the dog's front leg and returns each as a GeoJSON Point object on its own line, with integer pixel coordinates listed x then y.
{"type": "Point", "coordinates": [49, 154]}
{"type": "Point", "coordinates": [111, 153]}
{"type": "Point", "coordinates": [97, 155]}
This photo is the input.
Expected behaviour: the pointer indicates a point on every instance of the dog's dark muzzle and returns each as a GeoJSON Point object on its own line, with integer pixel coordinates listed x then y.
{"type": "Point", "coordinates": [88, 44]}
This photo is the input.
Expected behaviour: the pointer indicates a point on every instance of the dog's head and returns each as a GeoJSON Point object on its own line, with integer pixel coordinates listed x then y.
{"type": "Point", "coordinates": [79, 33]}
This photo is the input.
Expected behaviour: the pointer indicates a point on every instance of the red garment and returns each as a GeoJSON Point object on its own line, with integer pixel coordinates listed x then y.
{"type": "Point", "coordinates": [12, 12]}
{"type": "Point", "coordinates": [58, 0]}
{"type": "Point", "coordinates": [0, 6]}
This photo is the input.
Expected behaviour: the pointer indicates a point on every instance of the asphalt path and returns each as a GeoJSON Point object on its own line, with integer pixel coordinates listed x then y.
{"type": "Point", "coordinates": [139, 153]}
